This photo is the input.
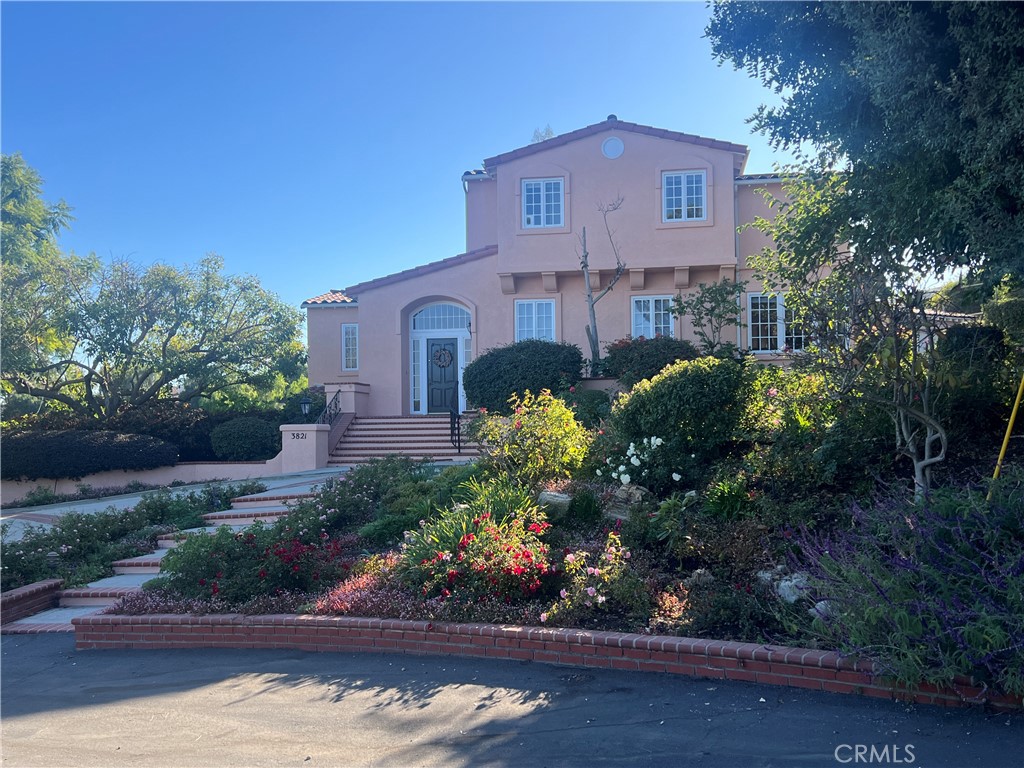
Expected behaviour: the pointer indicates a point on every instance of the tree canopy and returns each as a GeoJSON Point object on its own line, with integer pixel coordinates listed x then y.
{"type": "Point", "coordinates": [921, 105]}
{"type": "Point", "coordinates": [99, 340]}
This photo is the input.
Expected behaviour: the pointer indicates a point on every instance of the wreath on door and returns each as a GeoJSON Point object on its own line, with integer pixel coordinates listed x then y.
{"type": "Point", "coordinates": [443, 357]}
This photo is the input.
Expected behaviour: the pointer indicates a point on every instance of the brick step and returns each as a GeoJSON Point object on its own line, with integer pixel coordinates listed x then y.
{"type": "Point", "coordinates": [247, 502]}
{"type": "Point", "coordinates": [246, 516]}
{"type": "Point", "coordinates": [171, 540]}
{"type": "Point", "coordinates": [142, 564]}
{"type": "Point", "coordinates": [85, 596]}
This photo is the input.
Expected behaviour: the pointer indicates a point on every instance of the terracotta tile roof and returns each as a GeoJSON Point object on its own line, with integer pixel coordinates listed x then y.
{"type": "Point", "coordinates": [612, 124]}
{"type": "Point", "coordinates": [425, 269]}
{"type": "Point", "coordinates": [333, 296]}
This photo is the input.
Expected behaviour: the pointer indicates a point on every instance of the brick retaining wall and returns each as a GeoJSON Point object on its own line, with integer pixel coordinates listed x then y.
{"type": "Point", "coordinates": [748, 662]}
{"type": "Point", "coordinates": [29, 600]}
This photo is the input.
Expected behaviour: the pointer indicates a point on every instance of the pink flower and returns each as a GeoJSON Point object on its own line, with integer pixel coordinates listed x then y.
{"type": "Point", "coordinates": [543, 617]}
{"type": "Point", "coordinates": [563, 594]}
{"type": "Point", "coordinates": [570, 558]}
{"type": "Point", "coordinates": [591, 591]}
{"type": "Point", "coordinates": [773, 392]}
{"type": "Point", "coordinates": [518, 425]}
{"type": "Point", "coordinates": [572, 390]}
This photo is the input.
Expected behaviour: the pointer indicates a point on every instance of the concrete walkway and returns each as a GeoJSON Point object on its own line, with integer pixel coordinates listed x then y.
{"type": "Point", "coordinates": [275, 708]}
{"type": "Point", "coordinates": [23, 518]}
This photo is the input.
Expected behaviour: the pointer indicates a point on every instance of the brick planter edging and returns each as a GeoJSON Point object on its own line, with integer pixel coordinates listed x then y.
{"type": "Point", "coordinates": [29, 600]}
{"type": "Point", "coordinates": [720, 660]}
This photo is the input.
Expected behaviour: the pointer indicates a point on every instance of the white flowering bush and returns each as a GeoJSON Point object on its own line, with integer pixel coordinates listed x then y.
{"type": "Point", "coordinates": [637, 463]}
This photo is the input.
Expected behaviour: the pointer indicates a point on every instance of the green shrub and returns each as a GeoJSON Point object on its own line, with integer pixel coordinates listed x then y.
{"type": "Point", "coordinates": [590, 406]}
{"type": "Point", "coordinates": [75, 453]}
{"type": "Point", "coordinates": [489, 547]}
{"type": "Point", "coordinates": [540, 441]}
{"type": "Point", "coordinates": [802, 438]}
{"type": "Point", "coordinates": [184, 425]}
{"type": "Point", "coordinates": [493, 378]}
{"type": "Point", "coordinates": [599, 581]}
{"type": "Point", "coordinates": [246, 439]}
{"type": "Point", "coordinates": [693, 406]}
{"type": "Point", "coordinates": [631, 360]}
{"type": "Point", "coordinates": [86, 544]}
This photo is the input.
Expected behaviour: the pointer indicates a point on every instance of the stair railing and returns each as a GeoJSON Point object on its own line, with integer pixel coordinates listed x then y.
{"type": "Point", "coordinates": [455, 420]}
{"type": "Point", "coordinates": [332, 411]}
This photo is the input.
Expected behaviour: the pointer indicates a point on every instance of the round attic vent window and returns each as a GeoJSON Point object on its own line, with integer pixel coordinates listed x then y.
{"type": "Point", "coordinates": [613, 147]}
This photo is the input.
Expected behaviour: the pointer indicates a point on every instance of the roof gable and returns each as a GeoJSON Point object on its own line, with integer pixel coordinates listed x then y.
{"type": "Point", "coordinates": [424, 269]}
{"type": "Point", "coordinates": [612, 123]}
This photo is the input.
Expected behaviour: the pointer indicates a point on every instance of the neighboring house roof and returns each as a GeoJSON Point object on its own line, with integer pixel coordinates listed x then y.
{"type": "Point", "coordinates": [424, 269]}
{"type": "Point", "coordinates": [612, 123]}
{"type": "Point", "coordinates": [333, 296]}
{"type": "Point", "coordinates": [754, 177]}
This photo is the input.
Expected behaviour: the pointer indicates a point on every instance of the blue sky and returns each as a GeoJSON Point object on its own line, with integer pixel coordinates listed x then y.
{"type": "Point", "coordinates": [317, 145]}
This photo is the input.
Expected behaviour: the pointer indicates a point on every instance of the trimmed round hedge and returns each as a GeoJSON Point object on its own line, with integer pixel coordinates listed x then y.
{"type": "Point", "coordinates": [246, 439]}
{"type": "Point", "coordinates": [75, 453]}
{"type": "Point", "coordinates": [632, 360]}
{"type": "Point", "coordinates": [533, 365]}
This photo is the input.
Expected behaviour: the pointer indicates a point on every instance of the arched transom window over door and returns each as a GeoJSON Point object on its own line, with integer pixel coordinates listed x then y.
{"type": "Point", "coordinates": [440, 345]}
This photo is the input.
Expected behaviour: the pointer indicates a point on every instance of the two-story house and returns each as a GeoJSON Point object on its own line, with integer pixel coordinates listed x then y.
{"type": "Point", "coordinates": [397, 345]}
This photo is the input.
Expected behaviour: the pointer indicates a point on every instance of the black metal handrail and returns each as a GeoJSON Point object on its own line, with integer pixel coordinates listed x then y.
{"type": "Point", "coordinates": [455, 420]}
{"type": "Point", "coordinates": [332, 411]}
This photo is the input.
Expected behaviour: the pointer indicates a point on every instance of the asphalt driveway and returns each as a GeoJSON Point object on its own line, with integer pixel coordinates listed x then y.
{"type": "Point", "coordinates": [288, 708]}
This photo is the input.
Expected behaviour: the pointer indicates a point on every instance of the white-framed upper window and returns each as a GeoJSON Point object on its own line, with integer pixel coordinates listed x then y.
{"type": "Point", "coordinates": [543, 203]}
{"type": "Point", "coordinates": [770, 326]}
{"type": "Point", "coordinates": [349, 347]}
{"type": "Point", "coordinates": [652, 316]}
{"type": "Point", "coordinates": [535, 319]}
{"type": "Point", "coordinates": [684, 196]}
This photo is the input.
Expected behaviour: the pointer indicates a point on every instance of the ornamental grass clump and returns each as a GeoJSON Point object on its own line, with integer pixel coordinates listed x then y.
{"type": "Point", "coordinates": [487, 548]}
{"type": "Point", "coordinates": [927, 591]}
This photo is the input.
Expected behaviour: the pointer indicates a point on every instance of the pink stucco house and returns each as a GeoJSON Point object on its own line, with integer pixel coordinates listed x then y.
{"type": "Point", "coordinates": [397, 345]}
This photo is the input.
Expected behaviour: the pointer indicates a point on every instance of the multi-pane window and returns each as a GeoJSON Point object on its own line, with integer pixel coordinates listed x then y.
{"type": "Point", "coordinates": [684, 196]}
{"type": "Point", "coordinates": [535, 320]}
{"type": "Point", "coordinates": [349, 347]}
{"type": "Point", "coordinates": [542, 203]}
{"type": "Point", "coordinates": [768, 321]}
{"type": "Point", "coordinates": [652, 316]}
{"type": "Point", "coordinates": [441, 317]}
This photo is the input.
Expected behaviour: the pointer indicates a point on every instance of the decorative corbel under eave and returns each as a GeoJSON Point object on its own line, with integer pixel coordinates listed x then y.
{"type": "Point", "coordinates": [682, 278]}
{"type": "Point", "coordinates": [636, 279]}
{"type": "Point", "coordinates": [508, 282]}
{"type": "Point", "coordinates": [550, 282]}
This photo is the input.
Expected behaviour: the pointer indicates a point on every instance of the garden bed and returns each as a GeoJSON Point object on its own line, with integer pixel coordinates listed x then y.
{"type": "Point", "coordinates": [714, 659]}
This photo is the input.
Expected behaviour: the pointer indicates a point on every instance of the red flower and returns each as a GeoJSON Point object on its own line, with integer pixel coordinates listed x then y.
{"type": "Point", "coordinates": [263, 574]}
{"type": "Point", "coordinates": [202, 582]}
{"type": "Point", "coordinates": [215, 589]}
{"type": "Point", "coordinates": [518, 425]}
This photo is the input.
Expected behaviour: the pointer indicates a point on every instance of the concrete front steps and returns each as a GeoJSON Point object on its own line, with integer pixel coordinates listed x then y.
{"type": "Point", "coordinates": [418, 437]}
{"type": "Point", "coordinates": [131, 573]}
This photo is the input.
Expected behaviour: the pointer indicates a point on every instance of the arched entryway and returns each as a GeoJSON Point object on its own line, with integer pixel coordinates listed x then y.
{"type": "Point", "coordinates": [440, 347]}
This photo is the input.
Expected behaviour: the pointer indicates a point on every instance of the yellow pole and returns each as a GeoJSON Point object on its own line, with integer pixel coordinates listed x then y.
{"type": "Point", "coordinates": [1009, 431]}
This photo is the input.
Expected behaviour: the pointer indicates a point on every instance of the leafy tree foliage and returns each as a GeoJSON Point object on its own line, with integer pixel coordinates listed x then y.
{"type": "Point", "coordinates": [908, 116]}
{"type": "Point", "coordinates": [33, 271]}
{"type": "Point", "coordinates": [100, 340]}
{"type": "Point", "coordinates": [921, 104]}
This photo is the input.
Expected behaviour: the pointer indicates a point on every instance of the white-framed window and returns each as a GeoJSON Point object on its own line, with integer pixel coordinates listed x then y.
{"type": "Point", "coordinates": [535, 319]}
{"type": "Point", "coordinates": [652, 316]}
{"type": "Point", "coordinates": [684, 196]}
{"type": "Point", "coordinates": [768, 322]}
{"type": "Point", "coordinates": [543, 203]}
{"type": "Point", "coordinates": [349, 347]}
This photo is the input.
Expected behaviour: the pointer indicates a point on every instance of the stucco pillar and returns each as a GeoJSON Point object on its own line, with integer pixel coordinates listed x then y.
{"type": "Point", "coordinates": [304, 447]}
{"type": "Point", "coordinates": [355, 397]}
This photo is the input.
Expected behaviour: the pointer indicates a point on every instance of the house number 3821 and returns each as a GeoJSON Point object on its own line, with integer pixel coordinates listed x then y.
{"type": "Point", "coordinates": [298, 435]}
